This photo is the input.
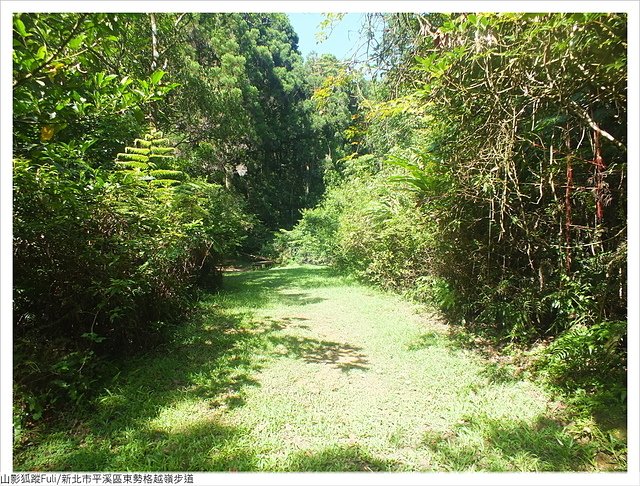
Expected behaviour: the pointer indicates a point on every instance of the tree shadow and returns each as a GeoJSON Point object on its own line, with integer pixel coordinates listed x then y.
{"type": "Point", "coordinates": [606, 404]}
{"type": "Point", "coordinates": [499, 374]}
{"type": "Point", "coordinates": [258, 290]}
{"type": "Point", "coordinates": [342, 356]}
{"type": "Point", "coordinates": [286, 323]}
{"type": "Point", "coordinates": [211, 358]}
{"type": "Point", "coordinates": [427, 340]}
{"type": "Point", "coordinates": [212, 361]}
{"type": "Point", "coordinates": [296, 298]}
{"type": "Point", "coordinates": [493, 370]}
{"type": "Point", "coordinates": [338, 459]}
{"type": "Point", "coordinates": [508, 446]}
{"type": "Point", "coordinates": [207, 446]}
{"type": "Point", "coordinates": [276, 279]}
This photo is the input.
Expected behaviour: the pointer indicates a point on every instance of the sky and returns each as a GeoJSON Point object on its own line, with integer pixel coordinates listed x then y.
{"type": "Point", "coordinates": [341, 43]}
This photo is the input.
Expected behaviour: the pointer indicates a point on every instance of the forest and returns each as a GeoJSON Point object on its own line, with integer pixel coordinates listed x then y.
{"type": "Point", "coordinates": [474, 165]}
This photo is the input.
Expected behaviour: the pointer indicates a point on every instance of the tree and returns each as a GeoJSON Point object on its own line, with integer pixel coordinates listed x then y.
{"type": "Point", "coordinates": [110, 238]}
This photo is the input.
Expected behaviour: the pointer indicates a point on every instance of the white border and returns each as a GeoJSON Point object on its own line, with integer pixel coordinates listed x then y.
{"type": "Point", "coordinates": [6, 254]}
{"type": "Point", "coordinates": [632, 477]}
{"type": "Point", "coordinates": [633, 251]}
{"type": "Point", "coordinates": [298, 6]}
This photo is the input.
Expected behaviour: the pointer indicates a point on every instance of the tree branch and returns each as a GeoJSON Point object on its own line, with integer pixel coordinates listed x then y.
{"type": "Point", "coordinates": [73, 33]}
{"type": "Point", "coordinates": [586, 117]}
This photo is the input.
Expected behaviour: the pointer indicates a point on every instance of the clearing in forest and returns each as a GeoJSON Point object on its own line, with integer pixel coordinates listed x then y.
{"type": "Point", "coordinates": [297, 369]}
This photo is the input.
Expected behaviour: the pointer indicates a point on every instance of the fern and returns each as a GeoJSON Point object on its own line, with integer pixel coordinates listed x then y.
{"type": "Point", "coordinates": [150, 159]}
{"type": "Point", "coordinates": [168, 174]}
{"type": "Point", "coordinates": [142, 143]}
{"type": "Point", "coordinates": [131, 164]}
{"type": "Point", "coordinates": [132, 157]}
{"type": "Point", "coordinates": [162, 150]}
{"type": "Point", "coordinates": [135, 150]}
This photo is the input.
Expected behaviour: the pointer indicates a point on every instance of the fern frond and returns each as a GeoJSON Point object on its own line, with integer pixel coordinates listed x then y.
{"type": "Point", "coordinates": [168, 174]}
{"type": "Point", "coordinates": [162, 150]}
{"type": "Point", "coordinates": [142, 143]}
{"type": "Point", "coordinates": [131, 164]}
{"type": "Point", "coordinates": [137, 151]}
{"type": "Point", "coordinates": [130, 157]}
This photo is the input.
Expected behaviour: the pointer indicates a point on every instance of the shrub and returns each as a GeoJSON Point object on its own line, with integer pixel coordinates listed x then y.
{"type": "Point", "coordinates": [584, 357]}
{"type": "Point", "coordinates": [364, 226]}
{"type": "Point", "coordinates": [101, 266]}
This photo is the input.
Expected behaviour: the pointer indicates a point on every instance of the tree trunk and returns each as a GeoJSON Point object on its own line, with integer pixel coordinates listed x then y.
{"type": "Point", "coordinates": [154, 42]}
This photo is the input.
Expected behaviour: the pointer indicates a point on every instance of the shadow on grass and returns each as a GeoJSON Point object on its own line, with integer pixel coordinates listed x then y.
{"type": "Point", "coordinates": [281, 285]}
{"type": "Point", "coordinates": [493, 369]}
{"type": "Point", "coordinates": [207, 446]}
{"type": "Point", "coordinates": [553, 443]}
{"type": "Point", "coordinates": [428, 340]}
{"type": "Point", "coordinates": [159, 413]}
{"type": "Point", "coordinates": [606, 403]}
{"type": "Point", "coordinates": [509, 446]}
{"type": "Point", "coordinates": [338, 459]}
{"type": "Point", "coordinates": [342, 356]}
{"type": "Point", "coordinates": [163, 412]}
{"type": "Point", "coordinates": [142, 421]}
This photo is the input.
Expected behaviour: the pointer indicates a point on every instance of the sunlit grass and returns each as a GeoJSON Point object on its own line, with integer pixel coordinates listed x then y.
{"type": "Point", "coordinates": [296, 369]}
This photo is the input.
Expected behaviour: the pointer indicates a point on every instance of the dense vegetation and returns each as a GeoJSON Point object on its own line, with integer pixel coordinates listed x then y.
{"type": "Point", "coordinates": [483, 170]}
{"type": "Point", "coordinates": [490, 179]}
{"type": "Point", "coordinates": [148, 148]}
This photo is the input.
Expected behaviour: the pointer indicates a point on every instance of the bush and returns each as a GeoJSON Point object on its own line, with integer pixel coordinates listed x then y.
{"type": "Point", "coordinates": [584, 357]}
{"type": "Point", "coordinates": [364, 226]}
{"type": "Point", "coordinates": [102, 266]}
{"type": "Point", "coordinates": [312, 240]}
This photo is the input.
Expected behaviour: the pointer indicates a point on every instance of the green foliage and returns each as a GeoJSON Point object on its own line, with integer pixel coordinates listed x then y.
{"type": "Point", "coordinates": [94, 257]}
{"type": "Point", "coordinates": [507, 163]}
{"type": "Point", "coordinates": [366, 227]}
{"type": "Point", "coordinates": [484, 173]}
{"type": "Point", "coordinates": [583, 355]}
{"type": "Point", "coordinates": [149, 161]}
{"type": "Point", "coordinates": [312, 240]}
{"type": "Point", "coordinates": [104, 259]}
{"type": "Point", "coordinates": [175, 175]}
{"type": "Point", "coordinates": [70, 105]}
{"type": "Point", "coordinates": [257, 130]}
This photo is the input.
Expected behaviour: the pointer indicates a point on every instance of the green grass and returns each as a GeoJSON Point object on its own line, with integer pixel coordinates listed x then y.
{"type": "Point", "coordinates": [297, 369]}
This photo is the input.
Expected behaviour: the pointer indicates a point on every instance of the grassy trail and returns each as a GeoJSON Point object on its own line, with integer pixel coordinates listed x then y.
{"type": "Point", "coordinates": [295, 369]}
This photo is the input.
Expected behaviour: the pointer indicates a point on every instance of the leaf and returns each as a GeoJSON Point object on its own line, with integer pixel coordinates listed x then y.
{"type": "Point", "coordinates": [156, 77]}
{"type": "Point", "coordinates": [46, 133]}
{"type": "Point", "coordinates": [19, 25]}
{"type": "Point", "coordinates": [62, 104]}
{"type": "Point", "coordinates": [77, 41]}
